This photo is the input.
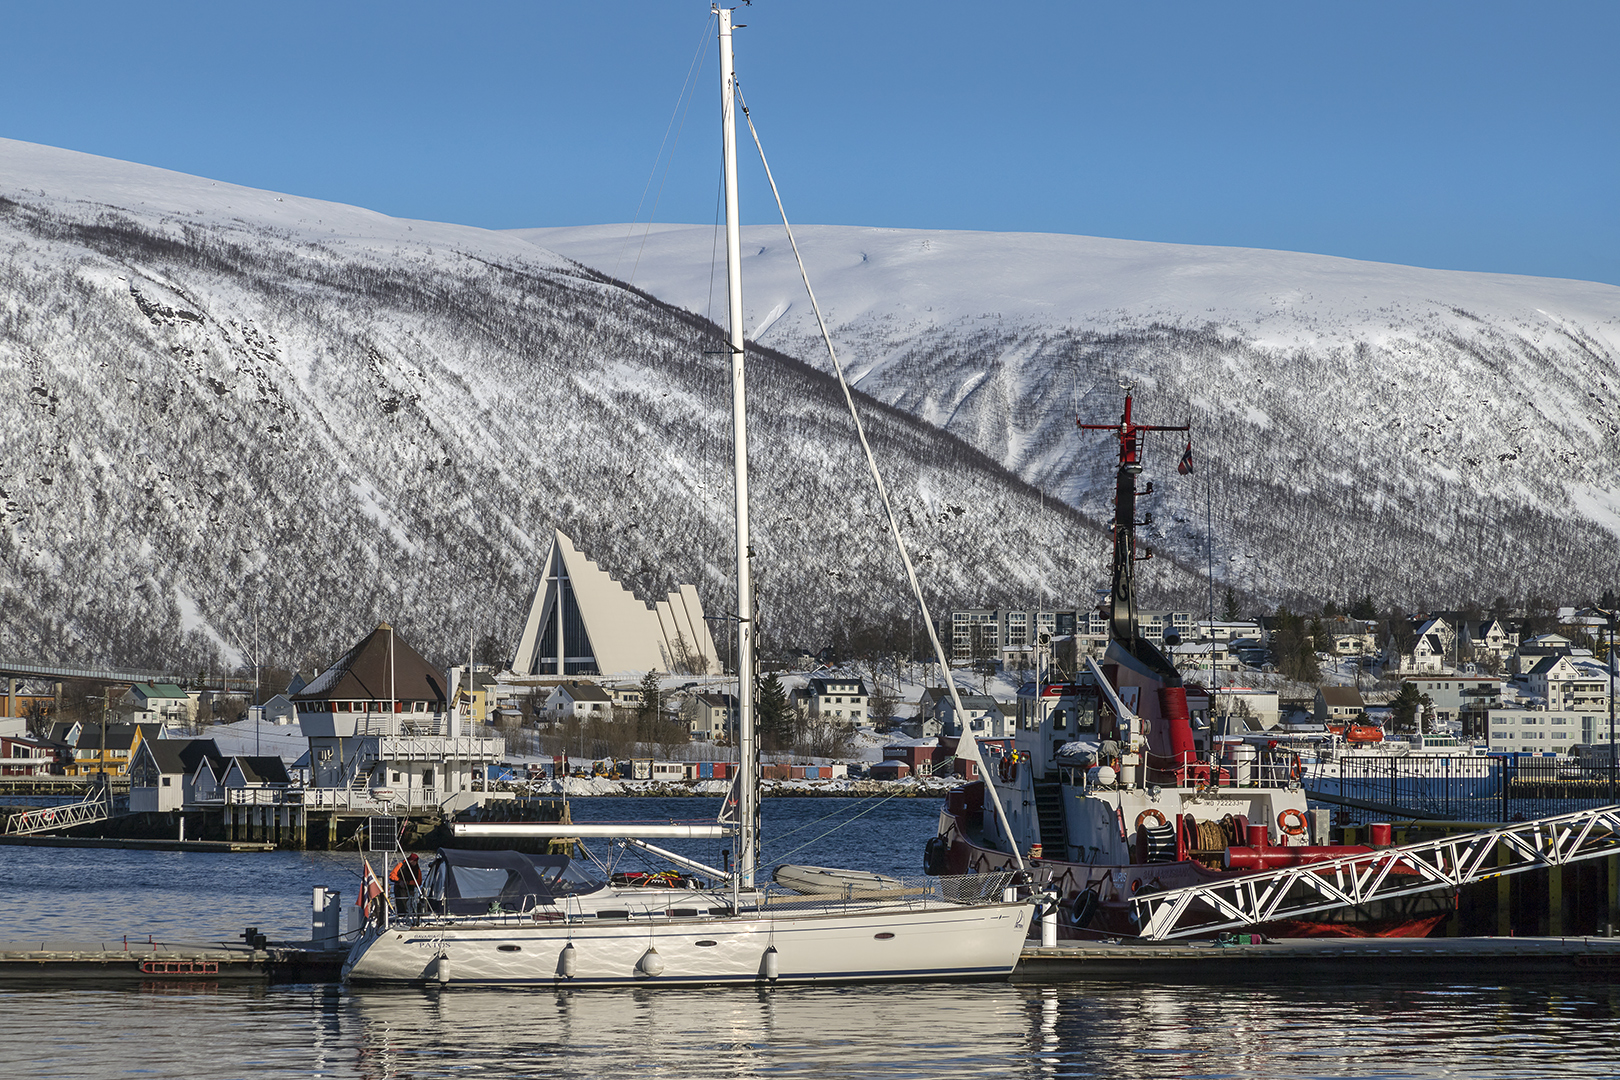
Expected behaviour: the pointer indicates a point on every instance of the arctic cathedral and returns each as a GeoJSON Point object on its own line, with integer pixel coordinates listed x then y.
{"type": "Point", "coordinates": [604, 629]}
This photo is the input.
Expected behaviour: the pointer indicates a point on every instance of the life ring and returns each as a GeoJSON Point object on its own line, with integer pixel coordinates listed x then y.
{"type": "Point", "coordinates": [1292, 822]}
{"type": "Point", "coordinates": [1084, 907]}
{"type": "Point", "coordinates": [1158, 818]}
{"type": "Point", "coordinates": [1296, 769]}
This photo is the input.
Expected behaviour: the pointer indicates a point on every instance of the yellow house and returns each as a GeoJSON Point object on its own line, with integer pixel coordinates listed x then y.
{"type": "Point", "coordinates": [473, 695]}
{"type": "Point", "coordinates": [122, 742]}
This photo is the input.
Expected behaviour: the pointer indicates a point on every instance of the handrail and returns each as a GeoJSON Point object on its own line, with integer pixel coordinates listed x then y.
{"type": "Point", "coordinates": [1354, 880]}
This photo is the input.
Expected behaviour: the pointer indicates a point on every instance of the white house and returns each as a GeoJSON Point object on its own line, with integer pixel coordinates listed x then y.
{"type": "Point", "coordinates": [712, 716]}
{"type": "Point", "coordinates": [246, 774]}
{"type": "Point", "coordinates": [936, 716]}
{"type": "Point", "coordinates": [163, 774]}
{"type": "Point", "coordinates": [1491, 637]}
{"type": "Point", "coordinates": [157, 703]}
{"type": "Point", "coordinates": [577, 700]}
{"type": "Point", "coordinates": [1560, 684]}
{"type": "Point", "coordinates": [836, 698]}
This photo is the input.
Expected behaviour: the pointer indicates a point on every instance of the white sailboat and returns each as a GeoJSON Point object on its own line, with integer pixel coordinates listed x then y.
{"type": "Point", "coordinates": [507, 918]}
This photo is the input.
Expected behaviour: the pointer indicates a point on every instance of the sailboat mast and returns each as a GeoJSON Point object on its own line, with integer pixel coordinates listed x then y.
{"type": "Point", "coordinates": [748, 789]}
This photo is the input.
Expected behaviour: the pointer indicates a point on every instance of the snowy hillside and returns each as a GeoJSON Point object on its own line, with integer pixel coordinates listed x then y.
{"type": "Point", "coordinates": [1424, 436]}
{"type": "Point", "coordinates": [220, 401]}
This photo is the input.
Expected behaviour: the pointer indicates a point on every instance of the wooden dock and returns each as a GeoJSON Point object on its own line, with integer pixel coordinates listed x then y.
{"type": "Point", "coordinates": [1573, 959]}
{"type": "Point", "coordinates": [135, 845]}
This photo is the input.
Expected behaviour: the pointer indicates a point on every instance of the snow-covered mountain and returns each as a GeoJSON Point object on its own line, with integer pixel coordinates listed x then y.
{"type": "Point", "coordinates": [220, 402]}
{"type": "Point", "coordinates": [1420, 435]}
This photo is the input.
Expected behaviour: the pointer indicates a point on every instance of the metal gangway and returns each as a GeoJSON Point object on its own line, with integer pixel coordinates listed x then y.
{"type": "Point", "coordinates": [1356, 879]}
{"type": "Point", "coordinates": [96, 807]}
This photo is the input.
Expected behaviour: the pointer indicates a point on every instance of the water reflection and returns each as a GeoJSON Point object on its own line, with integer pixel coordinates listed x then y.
{"type": "Point", "coordinates": [1100, 1030]}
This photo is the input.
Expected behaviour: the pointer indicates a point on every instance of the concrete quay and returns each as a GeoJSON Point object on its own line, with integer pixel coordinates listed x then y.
{"type": "Point", "coordinates": [1375, 960]}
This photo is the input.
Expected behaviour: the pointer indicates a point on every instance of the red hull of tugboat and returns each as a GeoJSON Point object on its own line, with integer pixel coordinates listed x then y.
{"type": "Point", "coordinates": [1414, 917]}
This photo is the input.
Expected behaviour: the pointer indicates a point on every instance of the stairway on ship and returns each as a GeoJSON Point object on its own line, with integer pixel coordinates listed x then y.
{"type": "Point", "coordinates": [1049, 805]}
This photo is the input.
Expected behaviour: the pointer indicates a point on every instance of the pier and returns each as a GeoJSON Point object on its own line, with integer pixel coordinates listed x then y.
{"type": "Point", "coordinates": [1232, 959]}
{"type": "Point", "coordinates": [1248, 957]}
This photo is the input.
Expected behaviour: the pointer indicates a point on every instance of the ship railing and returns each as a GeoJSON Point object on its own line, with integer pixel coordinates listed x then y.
{"type": "Point", "coordinates": [970, 889]}
{"type": "Point", "coordinates": [910, 891]}
{"type": "Point", "coordinates": [1267, 769]}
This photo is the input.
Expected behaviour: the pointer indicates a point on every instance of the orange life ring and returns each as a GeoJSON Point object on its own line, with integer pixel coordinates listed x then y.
{"type": "Point", "coordinates": [1296, 770]}
{"type": "Point", "coordinates": [1292, 822]}
{"type": "Point", "coordinates": [1158, 818]}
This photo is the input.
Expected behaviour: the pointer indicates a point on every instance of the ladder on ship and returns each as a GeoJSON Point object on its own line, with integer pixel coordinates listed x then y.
{"type": "Point", "coordinates": [1355, 880]}
{"type": "Point", "coordinates": [1049, 808]}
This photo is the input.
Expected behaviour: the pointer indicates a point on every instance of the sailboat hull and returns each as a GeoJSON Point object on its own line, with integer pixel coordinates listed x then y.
{"type": "Point", "coordinates": [980, 942]}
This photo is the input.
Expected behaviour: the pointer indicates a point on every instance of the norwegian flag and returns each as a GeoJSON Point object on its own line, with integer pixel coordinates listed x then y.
{"type": "Point", "coordinates": [1185, 466]}
{"type": "Point", "coordinates": [370, 887]}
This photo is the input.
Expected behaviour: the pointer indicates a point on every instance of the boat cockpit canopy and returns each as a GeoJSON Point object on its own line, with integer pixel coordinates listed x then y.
{"type": "Point", "coordinates": [466, 882]}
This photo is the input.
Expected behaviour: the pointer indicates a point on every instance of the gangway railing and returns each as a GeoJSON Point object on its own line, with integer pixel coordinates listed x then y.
{"type": "Point", "coordinates": [1359, 879]}
{"type": "Point", "coordinates": [97, 807]}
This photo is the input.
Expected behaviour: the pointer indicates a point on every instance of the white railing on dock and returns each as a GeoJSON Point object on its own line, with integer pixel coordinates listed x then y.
{"type": "Point", "coordinates": [1355, 880]}
{"type": "Point", "coordinates": [337, 798]}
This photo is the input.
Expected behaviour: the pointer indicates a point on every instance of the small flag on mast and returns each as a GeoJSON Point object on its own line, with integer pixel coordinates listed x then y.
{"type": "Point", "coordinates": [370, 887]}
{"type": "Point", "coordinates": [1186, 460]}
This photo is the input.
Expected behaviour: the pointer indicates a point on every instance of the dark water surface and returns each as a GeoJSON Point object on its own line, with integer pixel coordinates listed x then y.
{"type": "Point", "coordinates": [1082, 1029]}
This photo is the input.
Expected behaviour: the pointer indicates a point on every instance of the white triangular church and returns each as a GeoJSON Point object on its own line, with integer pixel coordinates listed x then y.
{"type": "Point", "coordinates": [604, 628]}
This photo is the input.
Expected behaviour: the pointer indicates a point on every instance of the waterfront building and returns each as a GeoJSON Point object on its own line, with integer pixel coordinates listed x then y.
{"type": "Point", "coordinates": [164, 773]}
{"type": "Point", "coordinates": [1546, 730]}
{"type": "Point", "coordinates": [378, 722]}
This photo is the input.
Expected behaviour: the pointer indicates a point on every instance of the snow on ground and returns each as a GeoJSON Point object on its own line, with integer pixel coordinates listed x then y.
{"type": "Point", "coordinates": [244, 738]}
{"type": "Point", "coordinates": [908, 279]}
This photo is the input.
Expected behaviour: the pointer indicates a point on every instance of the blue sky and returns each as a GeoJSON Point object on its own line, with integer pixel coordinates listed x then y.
{"type": "Point", "coordinates": [1474, 136]}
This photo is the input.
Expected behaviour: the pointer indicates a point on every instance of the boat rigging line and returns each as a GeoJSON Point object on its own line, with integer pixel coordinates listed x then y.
{"type": "Point", "coordinates": [966, 739]}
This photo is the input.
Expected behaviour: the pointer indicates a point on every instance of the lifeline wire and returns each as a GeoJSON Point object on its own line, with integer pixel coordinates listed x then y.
{"type": "Point", "coordinates": [835, 828]}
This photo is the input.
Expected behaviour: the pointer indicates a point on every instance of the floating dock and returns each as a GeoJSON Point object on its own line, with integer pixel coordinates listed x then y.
{"type": "Point", "coordinates": [147, 961]}
{"type": "Point", "coordinates": [1240, 959]}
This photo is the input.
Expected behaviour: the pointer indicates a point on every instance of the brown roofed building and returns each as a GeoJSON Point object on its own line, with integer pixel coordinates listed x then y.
{"type": "Point", "coordinates": [378, 722]}
{"type": "Point", "coordinates": [1338, 704]}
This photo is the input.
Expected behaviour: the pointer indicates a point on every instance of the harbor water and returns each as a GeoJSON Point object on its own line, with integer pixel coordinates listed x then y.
{"type": "Point", "coordinates": [1096, 1029]}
